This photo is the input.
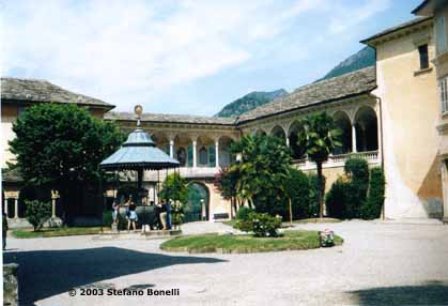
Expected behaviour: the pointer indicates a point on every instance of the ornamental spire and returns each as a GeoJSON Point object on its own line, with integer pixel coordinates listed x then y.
{"type": "Point", "coordinates": [138, 110]}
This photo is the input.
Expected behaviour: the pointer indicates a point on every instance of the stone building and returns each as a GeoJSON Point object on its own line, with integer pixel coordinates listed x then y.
{"type": "Point", "coordinates": [387, 113]}
{"type": "Point", "coordinates": [438, 10]}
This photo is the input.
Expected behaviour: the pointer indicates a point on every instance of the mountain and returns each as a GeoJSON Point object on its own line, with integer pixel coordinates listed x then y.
{"type": "Point", "coordinates": [249, 101]}
{"type": "Point", "coordinates": [363, 58]}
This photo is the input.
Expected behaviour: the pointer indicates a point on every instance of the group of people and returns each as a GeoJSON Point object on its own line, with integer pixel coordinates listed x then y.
{"type": "Point", "coordinates": [154, 216]}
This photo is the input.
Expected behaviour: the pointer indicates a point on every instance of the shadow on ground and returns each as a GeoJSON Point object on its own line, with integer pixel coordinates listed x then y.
{"type": "Point", "coordinates": [430, 293]}
{"type": "Point", "coordinates": [46, 273]}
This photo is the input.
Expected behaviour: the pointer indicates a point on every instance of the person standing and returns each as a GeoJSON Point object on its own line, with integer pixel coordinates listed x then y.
{"type": "Point", "coordinates": [163, 214]}
{"type": "Point", "coordinates": [132, 215]}
{"type": "Point", "coordinates": [4, 229]}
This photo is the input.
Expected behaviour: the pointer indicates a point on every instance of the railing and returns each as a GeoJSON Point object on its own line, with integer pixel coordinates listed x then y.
{"type": "Point", "coordinates": [339, 160]}
{"type": "Point", "coordinates": [187, 172]}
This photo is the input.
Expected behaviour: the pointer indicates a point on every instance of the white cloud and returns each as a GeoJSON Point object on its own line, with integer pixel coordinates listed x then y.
{"type": "Point", "coordinates": [345, 19]}
{"type": "Point", "coordinates": [128, 52]}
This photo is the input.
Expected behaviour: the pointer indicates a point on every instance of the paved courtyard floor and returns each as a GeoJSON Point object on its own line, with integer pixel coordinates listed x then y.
{"type": "Point", "coordinates": [379, 264]}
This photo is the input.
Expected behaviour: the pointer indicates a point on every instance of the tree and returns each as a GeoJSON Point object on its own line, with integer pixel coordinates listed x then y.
{"type": "Point", "coordinates": [175, 188]}
{"type": "Point", "coordinates": [37, 213]}
{"type": "Point", "coordinates": [60, 146]}
{"type": "Point", "coordinates": [263, 165]}
{"type": "Point", "coordinates": [226, 181]}
{"type": "Point", "coordinates": [296, 188]}
{"type": "Point", "coordinates": [320, 137]}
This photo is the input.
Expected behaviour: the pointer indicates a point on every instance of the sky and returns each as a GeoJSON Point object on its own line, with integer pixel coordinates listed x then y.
{"type": "Point", "coordinates": [185, 56]}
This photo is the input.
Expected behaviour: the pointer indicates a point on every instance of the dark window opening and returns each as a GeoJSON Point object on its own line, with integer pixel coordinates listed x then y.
{"type": "Point", "coordinates": [424, 58]}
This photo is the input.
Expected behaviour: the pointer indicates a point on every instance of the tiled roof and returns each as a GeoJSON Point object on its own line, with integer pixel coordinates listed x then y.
{"type": "Point", "coordinates": [347, 85]}
{"type": "Point", "coordinates": [149, 117]}
{"type": "Point", "coordinates": [396, 28]}
{"type": "Point", "coordinates": [32, 90]}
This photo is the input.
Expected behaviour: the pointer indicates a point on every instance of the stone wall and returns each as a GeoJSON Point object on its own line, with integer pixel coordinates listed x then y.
{"type": "Point", "coordinates": [10, 285]}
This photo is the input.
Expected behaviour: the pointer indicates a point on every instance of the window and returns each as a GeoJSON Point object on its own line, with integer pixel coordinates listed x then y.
{"type": "Point", "coordinates": [443, 88]}
{"type": "Point", "coordinates": [424, 58]}
{"type": "Point", "coordinates": [203, 158]}
{"type": "Point", "coordinates": [211, 156]}
{"type": "Point", "coordinates": [441, 35]}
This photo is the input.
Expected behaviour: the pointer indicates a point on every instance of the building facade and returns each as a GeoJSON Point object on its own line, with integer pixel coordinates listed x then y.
{"type": "Point", "coordinates": [438, 10]}
{"type": "Point", "coordinates": [391, 114]}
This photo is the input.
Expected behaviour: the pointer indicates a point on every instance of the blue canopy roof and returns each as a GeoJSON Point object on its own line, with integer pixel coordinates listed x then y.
{"type": "Point", "coordinates": [139, 152]}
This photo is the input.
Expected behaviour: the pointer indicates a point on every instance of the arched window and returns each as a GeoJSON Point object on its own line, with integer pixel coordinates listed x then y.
{"type": "Point", "coordinates": [181, 156]}
{"type": "Point", "coordinates": [342, 121]}
{"type": "Point", "coordinates": [203, 156]}
{"type": "Point", "coordinates": [366, 130]}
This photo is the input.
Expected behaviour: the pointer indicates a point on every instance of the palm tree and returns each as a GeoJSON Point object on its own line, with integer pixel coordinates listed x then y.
{"type": "Point", "coordinates": [320, 137]}
{"type": "Point", "coordinates": [263, 165]}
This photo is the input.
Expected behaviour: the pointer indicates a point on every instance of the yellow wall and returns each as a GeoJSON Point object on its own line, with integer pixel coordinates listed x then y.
{"type": "Point", "coordinates": [9, 115]}
{"type": "Point", "coordinates": [410, 111]}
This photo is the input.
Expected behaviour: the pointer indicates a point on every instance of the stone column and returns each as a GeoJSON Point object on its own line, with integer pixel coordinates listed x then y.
{"type": "Point", "coordinates": [6, 206]}
{"type": "Point", "coordinates": [194, 153]}
{"type": "Point", "coordinates": [217, 153]}
{"type": "Point", "coordinates": [287, 141]}
{"type": "Point", "coordinates": [54, 197]}
{"type": "Point", "coordinates": [353, 138]}
{"type": "Point", "coordinates": [16, 208]}
{"type": "Point", "coordinates": [171, 148]}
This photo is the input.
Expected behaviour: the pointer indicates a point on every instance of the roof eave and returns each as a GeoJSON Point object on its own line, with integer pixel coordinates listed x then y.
{"type": "Point", "coordinates": [425, 8]}
{"type": "Point", "coordinates": [240, 123]}
{"type": "Point", "coordinates": [374, 39]}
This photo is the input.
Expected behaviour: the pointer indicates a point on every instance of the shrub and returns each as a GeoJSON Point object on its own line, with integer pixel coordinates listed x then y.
{"type": "Point", "coordinates": [261, 224]}
{"type": "Point", "coordinates": [313, 206]}
{"type": "Point", "coordinates": [243, 213]}
{"type": "Point", "coordinates": [177, 213]}
{"type": "Point", "coordinates": [335, 199]}
{"type": "Point", "coordinates": [375, 200]}
{"type": "Point", "coordinates": [37, 213]}
{"type": "Point", "coordinates": [358, 170]}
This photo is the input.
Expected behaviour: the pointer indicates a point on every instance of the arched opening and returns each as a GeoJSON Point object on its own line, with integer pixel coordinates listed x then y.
{"type": "Point", "coordinates": [225, 157]}
{"type": "Point", "coordinates": [342, 121]}
{"type": "Point", "coordinates": [206, 152]}
{"type": "Point", "coordinates": [366, 125]}
{"type": "Point", "coordinates": [297, 150]}
{"type": "Point", "coordinates": [278, 131]}
{"type": "Point", "coordinates": [197, 207]}
{"type": "Point", "coordinates": [162, 142]}
{"type": "Point", "coordinates": [183, 150]}
{"type": "Point", "coordinates": [260, 133]}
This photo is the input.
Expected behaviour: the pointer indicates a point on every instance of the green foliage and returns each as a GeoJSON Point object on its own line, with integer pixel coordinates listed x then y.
{"type": "Point", "coordinates": [264, 164]}
{"type": "Point", "coordinates": [37, 213]}
{"type": "Point", "coordinates": [61, 146]}
{"type": "Point", "coordinates": [320, 136]}
{"type": "Point", "coordinates": [243, 213]}
{"type": "Point", "coordinates": [177, 214]}
{"type": "Point", "coordinates": [313, 207]}
{"type": "Point", "coordinates": [349, 199]}
{"type": "Point", "coordinates": [357, 170]}
{"type": "Point", "coordinates": [175, 188]}
{"type": "Point", "coordinates": [336, 199]}
{"type": "Point", "coordinates": [248, 102]}
{"type": "Point", "coordinates": [206, 243]}
{"type": "Point", "coordinates": [375, 200]}
{"type": "Point", "coordinates": [226, 181]}
{"type": "Point", "coordinates": [261, 224]}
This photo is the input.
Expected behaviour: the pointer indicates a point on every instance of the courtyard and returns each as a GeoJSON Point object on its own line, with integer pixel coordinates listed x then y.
{"type": "Point", "coordinates": [379, 263]}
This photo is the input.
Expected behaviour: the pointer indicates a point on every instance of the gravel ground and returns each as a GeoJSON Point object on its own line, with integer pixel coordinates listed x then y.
{"type": "Point", "coordinates": [379, 264]}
